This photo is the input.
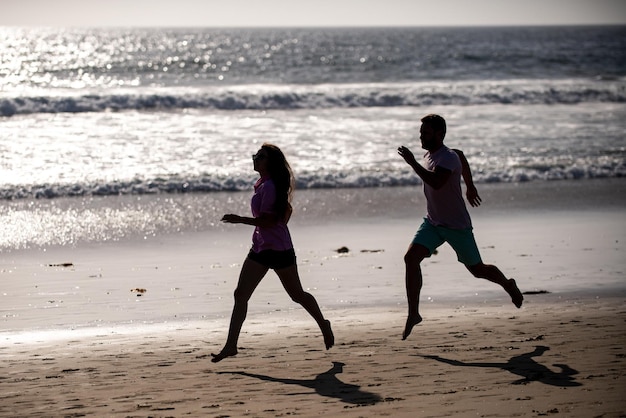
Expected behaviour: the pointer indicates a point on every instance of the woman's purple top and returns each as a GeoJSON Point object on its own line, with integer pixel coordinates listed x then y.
{"type": "Point", "coordinates": [275, 237]}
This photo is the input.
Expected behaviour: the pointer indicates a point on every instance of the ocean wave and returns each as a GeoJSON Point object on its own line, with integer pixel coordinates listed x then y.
{"type": "Point", "coordinates": [321, 180]}
{"type": "Point", "coordinates": [269, 97]}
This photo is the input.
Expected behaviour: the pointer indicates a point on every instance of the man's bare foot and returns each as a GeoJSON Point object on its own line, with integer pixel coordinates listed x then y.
{"type": "Point", "coordinates": [329, 338]}
{"type": "Point", "coordinates": [223, 354]}
{"type": "Point", "coordinates": [514, 292]}
{"type": "Point", "coordinates": [411, 321]}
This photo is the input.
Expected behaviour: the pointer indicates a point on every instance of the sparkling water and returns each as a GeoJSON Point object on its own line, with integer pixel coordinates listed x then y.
{"type": "Point", "coordinates": [90, 113]}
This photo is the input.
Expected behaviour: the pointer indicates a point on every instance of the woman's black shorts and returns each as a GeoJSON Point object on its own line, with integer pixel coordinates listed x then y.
{"type": "Point", "coordinates": [274, 259]}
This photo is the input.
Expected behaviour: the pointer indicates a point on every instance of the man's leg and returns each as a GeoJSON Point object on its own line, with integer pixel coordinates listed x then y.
{"type": "Point", "coordinates": [413, 280]}
{"type": "Point", "coordinates": [493, 274]}
{"type": "Point", "coordinates": [464, 244]}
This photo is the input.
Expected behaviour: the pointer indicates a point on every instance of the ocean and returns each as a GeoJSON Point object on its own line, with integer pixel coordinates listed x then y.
{"type": "Point", "coordinates": [93, 120]}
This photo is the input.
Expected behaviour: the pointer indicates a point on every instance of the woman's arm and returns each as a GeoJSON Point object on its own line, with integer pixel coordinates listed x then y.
{"type": "Point", "coordinates": [264, 220]}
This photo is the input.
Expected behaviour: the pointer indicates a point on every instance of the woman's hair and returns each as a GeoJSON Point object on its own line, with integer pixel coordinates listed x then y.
{"type": "Point", "coordinates": [282, 176]}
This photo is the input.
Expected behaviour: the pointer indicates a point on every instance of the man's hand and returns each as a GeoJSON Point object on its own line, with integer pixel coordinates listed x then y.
{"type": "Point", "coordinates": [435, 179]}
{"type": "Point", "coordinates": [472, 196]}
{"type": "Point", "coordinates": [408, 156]}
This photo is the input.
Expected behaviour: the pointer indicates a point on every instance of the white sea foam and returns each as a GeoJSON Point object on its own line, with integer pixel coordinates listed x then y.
{"type": "Point", "coordinates": [270, 96]}
{"type": "Point", "coordinates": [136, 153]}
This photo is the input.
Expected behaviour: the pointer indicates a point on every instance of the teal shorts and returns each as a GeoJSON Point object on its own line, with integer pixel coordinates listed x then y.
{"type": "Point", "coordinates": [461, 240]}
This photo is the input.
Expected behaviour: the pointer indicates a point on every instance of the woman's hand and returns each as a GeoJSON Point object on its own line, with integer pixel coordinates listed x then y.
{"type": "Point", "coordinates": [231, 218]}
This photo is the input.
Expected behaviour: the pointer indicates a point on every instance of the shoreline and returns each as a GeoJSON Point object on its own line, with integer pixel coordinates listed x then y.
{"type": "Point", "coordinates": [190, 276]}
{"type": "Point", "coordinates": [42, 224]}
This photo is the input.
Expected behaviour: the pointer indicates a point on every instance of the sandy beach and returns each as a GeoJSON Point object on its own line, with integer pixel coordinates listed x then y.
{"type": "Point", "coordinates": [555, 357]}
{"type": "Point", "coordinates": [79, 338]}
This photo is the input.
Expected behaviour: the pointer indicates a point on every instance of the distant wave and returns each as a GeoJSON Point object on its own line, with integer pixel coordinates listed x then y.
{"type": "Point", "coordinates": [267, 97]}
{"type": "Point", "coordinates": [322, 180]}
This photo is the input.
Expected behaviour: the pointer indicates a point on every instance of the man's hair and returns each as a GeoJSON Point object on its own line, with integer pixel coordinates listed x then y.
{"type": "Point", "coordinates": [436, 122]}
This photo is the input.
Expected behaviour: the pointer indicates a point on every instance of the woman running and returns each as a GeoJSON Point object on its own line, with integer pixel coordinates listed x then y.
{"type": "Point", "coordinates": [271, 245]}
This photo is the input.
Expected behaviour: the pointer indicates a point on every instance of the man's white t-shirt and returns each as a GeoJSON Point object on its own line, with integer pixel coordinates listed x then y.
{"type": "Point", "coordinates": [446, 207]}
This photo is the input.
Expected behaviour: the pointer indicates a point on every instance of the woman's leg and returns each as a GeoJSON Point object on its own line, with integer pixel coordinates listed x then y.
{"type": "Point", "coordinates": [251, 275]}
{"type": "Point", "coordinates": [291, 282]}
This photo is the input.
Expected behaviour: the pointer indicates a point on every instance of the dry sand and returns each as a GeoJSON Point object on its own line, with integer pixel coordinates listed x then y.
{"type": "Point", "coordinates": [554, 357]}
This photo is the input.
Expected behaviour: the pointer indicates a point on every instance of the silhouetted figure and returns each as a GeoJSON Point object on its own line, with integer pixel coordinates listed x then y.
{"type": "Point", "coordinates": [524, 365]}
{"type": "Point", "coordinates": [447, 218]}
{"type": "Point", "coordinates": [471, 192]}
{"type": "Point", "coordinates": [325, 384]}
{"type": "Point", "coordinates": [271, 246]}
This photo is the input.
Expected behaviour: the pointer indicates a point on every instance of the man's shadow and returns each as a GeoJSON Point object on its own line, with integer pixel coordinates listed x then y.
{"type": "Point", "coordinates": [524, 365]}
{"type": "Point", "coordinates": [325, 384]}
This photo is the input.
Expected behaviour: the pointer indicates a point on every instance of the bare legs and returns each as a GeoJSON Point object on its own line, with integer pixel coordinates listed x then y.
{"type": "Point", "coordinates": [251, 275]}
{"type": "Point", "coordinates": [413, 277]}
{"type": "Point", "coordinates": [249, 278]}
{"type": "Point", "coordinates": [413, 280]}
{"type": "Point", "coordinates": [493, 274]}
{"type": "Point", "coordinates": [291, 282]}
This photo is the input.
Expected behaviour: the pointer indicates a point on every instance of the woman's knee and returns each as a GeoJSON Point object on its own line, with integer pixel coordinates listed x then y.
{"type": "Point", "coordinates": [299, 297]}
{"type": "Point", "coordinates": [241, 295]}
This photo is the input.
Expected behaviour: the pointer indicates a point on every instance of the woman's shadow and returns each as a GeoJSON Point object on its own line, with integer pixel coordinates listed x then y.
{"type": "Point", "coordinates": [325, 384]}
{"type": "Point", "coordinates": [524, 365]}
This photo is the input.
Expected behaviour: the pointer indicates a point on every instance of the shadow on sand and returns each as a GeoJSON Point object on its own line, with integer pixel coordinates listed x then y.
{"type": "Point", "coordinates": [524, 365]}
{"type": "Point", "coordinates": [325, 384]}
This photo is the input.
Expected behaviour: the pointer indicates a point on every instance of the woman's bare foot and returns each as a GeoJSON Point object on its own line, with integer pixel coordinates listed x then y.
{"type": "Point", "coordinates": [329, 338]}
{"type": "Point", "coordinates": [411, 321]}
{"type": "Point", "coordinates": [514, 292]}
{"type": "Point", "coordinates": [223, 354]}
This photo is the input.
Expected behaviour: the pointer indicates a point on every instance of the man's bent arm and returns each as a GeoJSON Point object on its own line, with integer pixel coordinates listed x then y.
{"type": "Point", "coordinates": [435, 179]}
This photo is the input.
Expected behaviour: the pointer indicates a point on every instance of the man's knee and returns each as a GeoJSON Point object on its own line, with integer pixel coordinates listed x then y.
{"type": "Point", "coordinates": [416, 254]}
{"type": "Point", "coordinates": [479, 270]}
